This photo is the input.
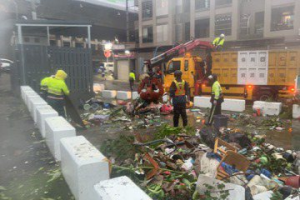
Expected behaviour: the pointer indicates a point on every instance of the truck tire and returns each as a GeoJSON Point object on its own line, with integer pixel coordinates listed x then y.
{"type": "Point", "coordinates": [264, 96]}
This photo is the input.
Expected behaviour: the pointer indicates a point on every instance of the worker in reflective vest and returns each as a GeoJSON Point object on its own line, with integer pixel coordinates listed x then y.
{"type": "Point", "coordinates": [216, 98]}
{"type": "Point", "coordinates": [179, 92]}
{"type": "Point", "coordinates": [57, 89]}
{"type": "Point", "coordinates": [44, 86]}
{"type": "Point", "coordinates": [131, 80]}
{"type": "Point", "coordinates": [219, 42]}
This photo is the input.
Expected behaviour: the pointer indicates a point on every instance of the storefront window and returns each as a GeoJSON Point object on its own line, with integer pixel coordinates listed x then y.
{"type": "Point", "coordinates": [282, 18]}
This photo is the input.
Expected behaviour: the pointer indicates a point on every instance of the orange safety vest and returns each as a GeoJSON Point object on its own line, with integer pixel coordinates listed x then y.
{"type": "Point", "coordinates": [180, 89]}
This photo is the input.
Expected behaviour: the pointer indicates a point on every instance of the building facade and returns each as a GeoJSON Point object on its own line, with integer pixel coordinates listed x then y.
{"type": "Point", "coordinates": [246, 23]}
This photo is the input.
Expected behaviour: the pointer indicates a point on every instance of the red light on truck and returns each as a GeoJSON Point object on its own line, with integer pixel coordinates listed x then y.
{"type": "Point", "coordinates": [291, 89]}
{"type": "Point", "coordinates": [250, 87]}
{"type": "Point", "coordinates": [203, 85]}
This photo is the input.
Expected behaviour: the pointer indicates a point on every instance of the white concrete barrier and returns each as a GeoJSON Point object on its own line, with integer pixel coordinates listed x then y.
{"type": "Point", "coordinates": [202, 102]}
{"type": "Point", "coordinates": [123, 95]}
{"type": "Point", "coordinates": [57, 128]}
{"type": "Point", "coordinates": [135, 95]}
{"type": "Point", "coordinates": [35, 114]}
{"type": "Point", "coordinates": [268, 108]}
{"type": "Point", "coordinates": [28, 95]}
{"type": "Point", "coordinates": [34, 102]}
{"type": "Point", "coordinates": [83, 166]}
{"type": "Point", "coordinates": [296, 111]}
{"type": "Point", "coordinates": [272, 108]}
{"type": "Point", "coordinates": [24, 89]}
{"type": "Point", "coordinates": [109, 94]}
{"type": "Point", "coordinates": [98, 87]}
{"type": "Point", "coordinates": [44, 112]}
{"type": "Point", "coordinates": [258, 105]}
{"type": "Point", "coordinates": [234, 105]}
{"type": "Point", "coordinates": [121, 188]}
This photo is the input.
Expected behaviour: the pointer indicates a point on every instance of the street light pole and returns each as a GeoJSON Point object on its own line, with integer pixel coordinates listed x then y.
{"type": "Point", "coordinates": [127, 21]}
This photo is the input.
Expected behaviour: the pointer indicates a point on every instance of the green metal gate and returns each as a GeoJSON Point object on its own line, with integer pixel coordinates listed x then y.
{"type": "Point", "coordinates": [34, 62]}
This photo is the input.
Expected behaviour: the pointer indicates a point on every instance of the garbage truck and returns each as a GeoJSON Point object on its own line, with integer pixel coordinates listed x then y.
{"type": "Point", "coordinates": [248, 75]}
{"type": "Point", "coordinates": [255, 75]}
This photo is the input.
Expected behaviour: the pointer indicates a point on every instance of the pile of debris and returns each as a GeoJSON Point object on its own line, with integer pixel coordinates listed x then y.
{"type": "Point", "coordinates": [209, 164]}
{"type": "Point", "coordinates": [97, 113]}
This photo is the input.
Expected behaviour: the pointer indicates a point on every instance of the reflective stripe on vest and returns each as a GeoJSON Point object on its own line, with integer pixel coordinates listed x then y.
{"type": "Point", "coordinates": [44, 87]}
{"type": "Point", "coordinates": [180, 89]}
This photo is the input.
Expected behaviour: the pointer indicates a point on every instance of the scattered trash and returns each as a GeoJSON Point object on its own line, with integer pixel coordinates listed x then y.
{"type": "Point", "coordinates": [173, 163]}
{"type": "Point", "coordinates": [169, 164]}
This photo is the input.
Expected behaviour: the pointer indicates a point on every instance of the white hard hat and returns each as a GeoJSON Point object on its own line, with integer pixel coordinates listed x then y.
{"type": "Point", "coordinates": [222, 35]}
{"type": "Point", "coordinates": [210, 77]}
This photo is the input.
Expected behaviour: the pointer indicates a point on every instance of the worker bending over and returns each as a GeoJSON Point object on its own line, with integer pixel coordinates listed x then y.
{"type": "Point", "coordinates": [57, 88]}
{"type": "Point", "coordinates": [44, 86]}
{"type": "Point", "coordinates": [219, 42]}
{"type": "Point", "coordinates": [216, 98]}
{"type": "Point", "coordinates": [180, 94]}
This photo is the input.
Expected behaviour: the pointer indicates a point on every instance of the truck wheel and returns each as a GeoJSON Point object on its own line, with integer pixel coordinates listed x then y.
{"type": "Point", "coordinates": [265, 96]}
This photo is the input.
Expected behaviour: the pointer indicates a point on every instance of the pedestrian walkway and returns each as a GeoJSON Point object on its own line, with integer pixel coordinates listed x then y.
{"type": "Point", "coordinates": [27, 169]}
{"type": "Point", "coordinates": [115, 84]}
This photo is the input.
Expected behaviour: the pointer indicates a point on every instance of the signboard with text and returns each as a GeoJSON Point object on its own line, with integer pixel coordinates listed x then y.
{"type": "Point", "coordinates": [117, 4]}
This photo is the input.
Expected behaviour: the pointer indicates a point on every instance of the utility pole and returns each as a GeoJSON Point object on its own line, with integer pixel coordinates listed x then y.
{"type": "Point", "coordinates": [127, 22]}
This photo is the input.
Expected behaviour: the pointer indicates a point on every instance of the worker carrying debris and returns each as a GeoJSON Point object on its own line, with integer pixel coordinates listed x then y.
{"type": "Point", "coordinates": [216, 98]}
{"type": "Point", "coordinates": [44, 86]}
{"type": "Point", "coordinates": [180, 94]}
{"type": "Point", "coordinates": [57, 88]}
{"type": "Point", "coordinates": [219, 42]}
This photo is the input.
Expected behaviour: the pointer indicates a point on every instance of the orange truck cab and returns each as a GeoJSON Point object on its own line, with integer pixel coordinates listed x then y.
{"type": "Point", "coordinates": [192, 68]}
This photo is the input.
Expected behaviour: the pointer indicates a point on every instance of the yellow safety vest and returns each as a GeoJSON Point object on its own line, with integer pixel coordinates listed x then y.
{"type": "Point", "coordinates": [180, 88]}
{"type": "Point", "coordinates": [219, 42]}
{"type": "Point", "coordinates": [45, 82]}
{"type": "Point", "coordinates": [57, 88]}
{"type": "Point", "coordinates": [132, 76]}
{"type": "Point", "coordinates": [216, 90]}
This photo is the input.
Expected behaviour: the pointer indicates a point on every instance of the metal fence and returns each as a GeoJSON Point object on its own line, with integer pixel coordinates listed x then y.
{"type": "Point", "coordinates": [34, 62]}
